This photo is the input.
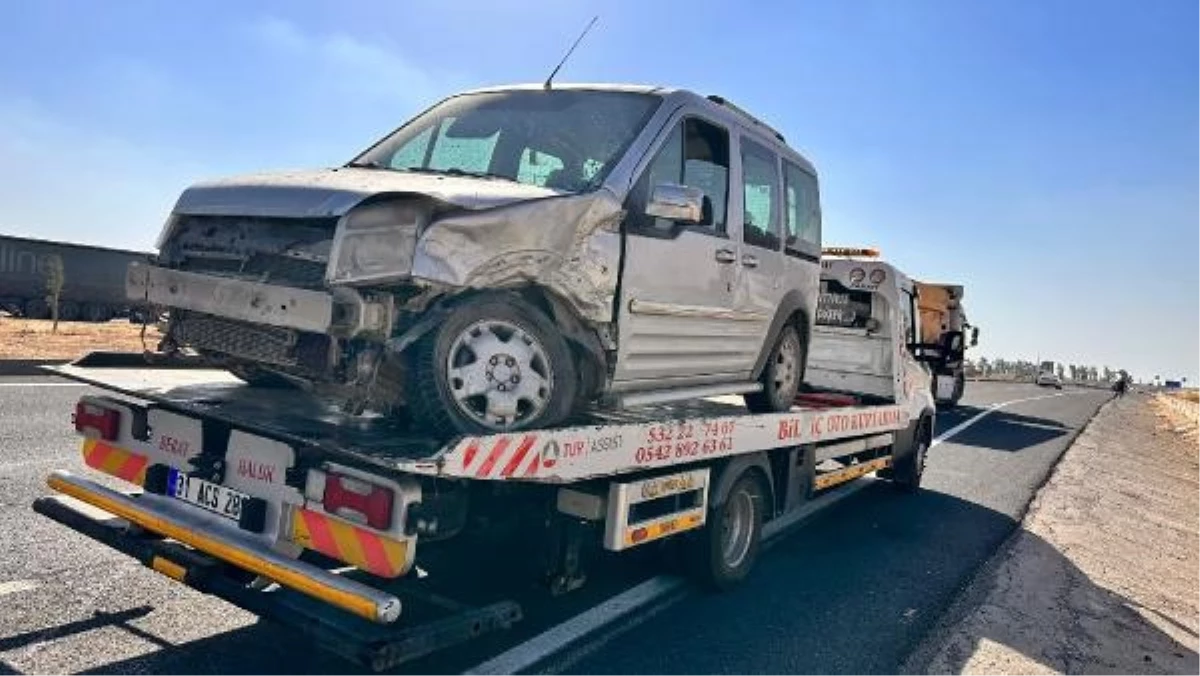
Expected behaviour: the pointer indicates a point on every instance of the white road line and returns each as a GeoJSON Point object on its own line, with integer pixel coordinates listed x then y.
{"type": "Point", "coordinates": [43, 385]}
{"type": "Point", "coordinates": [957, 429]}
{"type": "Point", "coordinates": [16, 586]}
{"type": "Point", "coordinates": [553, 640]}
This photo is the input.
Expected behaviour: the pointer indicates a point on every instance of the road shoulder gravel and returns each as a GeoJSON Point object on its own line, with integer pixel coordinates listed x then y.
{"type": "Point", "coordinates": [1102, 575]}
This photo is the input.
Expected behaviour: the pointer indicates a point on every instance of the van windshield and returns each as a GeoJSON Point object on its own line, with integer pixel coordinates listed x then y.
{"type": "Point", "coordinates": [567, 140]}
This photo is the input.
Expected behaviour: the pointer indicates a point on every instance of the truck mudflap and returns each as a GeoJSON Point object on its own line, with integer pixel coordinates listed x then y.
{"type": "Point", "coordinates": [347, 632]}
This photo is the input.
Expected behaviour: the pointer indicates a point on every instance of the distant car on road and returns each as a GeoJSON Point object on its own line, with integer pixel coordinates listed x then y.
{"type": "Point", "coordinates": [1049, 379]}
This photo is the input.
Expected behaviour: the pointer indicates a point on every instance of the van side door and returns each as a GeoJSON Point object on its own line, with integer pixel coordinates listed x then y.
{"type": "Point", "coordinates": [758, 228]}
{"type": "Point", "coordinates": [678, 280]}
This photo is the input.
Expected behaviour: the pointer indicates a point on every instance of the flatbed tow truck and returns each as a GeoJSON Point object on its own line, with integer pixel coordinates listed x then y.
{"type": "Point", "coordinates": [293, 511]}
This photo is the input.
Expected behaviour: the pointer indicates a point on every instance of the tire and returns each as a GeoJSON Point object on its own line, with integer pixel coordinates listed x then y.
{"type": "Point", "coordinates": [97, 313]}
{"type": "Point", "coordinates": [960, 385]}
{"type": "Point", "coordinates": [725, 550]}
{"type": "Point", "coordinates": [781, 376]}
{"type": "Point", "coordinates": [495, 364]}
{"type": "Point", "coordinates": [906, 474]}
{"type": "Point", "coordinates": [68, 311]}
{"type": "Point", "coordinates": [36, 308]}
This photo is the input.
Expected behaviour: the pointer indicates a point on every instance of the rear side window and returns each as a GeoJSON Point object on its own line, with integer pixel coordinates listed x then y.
{"type": "Point", "coordinates": [803, 220]}
{"type": "Point", "coordinates": [760, 193]}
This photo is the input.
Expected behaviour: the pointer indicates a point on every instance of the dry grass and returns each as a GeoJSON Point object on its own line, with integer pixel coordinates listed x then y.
{"type": "Point", "coordinates": [1189, 395]}
{"type": "Point", "coordinates": [32, 338]}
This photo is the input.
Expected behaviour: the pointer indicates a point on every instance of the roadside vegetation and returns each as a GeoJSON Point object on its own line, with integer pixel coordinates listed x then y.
{"type": "Point", "coordinates": [37, 339]}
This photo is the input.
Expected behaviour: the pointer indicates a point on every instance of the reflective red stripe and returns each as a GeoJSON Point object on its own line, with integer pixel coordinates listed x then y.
{"type": "Point", "coordinates": [96, 456]}
{"type": "Point", "coordinates": [533, 465]}
{"type": "Point", "coordinates": [493, 457]}
{"type": "Point", "coordinates": [515, 462]}
{"type": "Point", "coordinates": [372, 548]}
{"type": "Point", "coordinates": [131, 470]}
{"type": "Point", "coordinates": [318, 530]}
{"type": "Point", "coordinates": [469, 454]}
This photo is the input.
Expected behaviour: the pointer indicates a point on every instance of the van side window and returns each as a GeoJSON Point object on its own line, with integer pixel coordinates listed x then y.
{"type": "Point", "coordinates": [803, 206]}
{"type": "Point", "coordinates": [696, 154]}
{"type": "Point", "coordinates": [760, 192]}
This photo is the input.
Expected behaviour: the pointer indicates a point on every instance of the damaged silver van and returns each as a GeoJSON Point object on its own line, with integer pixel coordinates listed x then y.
{"type": "Point", "coordinates": [508, 257]}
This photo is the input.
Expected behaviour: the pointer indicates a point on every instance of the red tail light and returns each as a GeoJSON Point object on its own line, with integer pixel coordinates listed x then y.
{"type": "Point", "coordinates": [92, 418]}
{"type": "Point", "coordinates": [351, 497]}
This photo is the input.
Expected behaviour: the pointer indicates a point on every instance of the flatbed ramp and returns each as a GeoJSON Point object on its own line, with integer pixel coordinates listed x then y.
{"type": "Point", "coordinates": [597, 444]}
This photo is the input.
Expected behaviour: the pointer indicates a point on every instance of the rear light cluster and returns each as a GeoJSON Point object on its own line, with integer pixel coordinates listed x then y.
{"type": "Point", "coordinates": [358, 500]}
{"type": "Point", "coordinates": [93, 420]}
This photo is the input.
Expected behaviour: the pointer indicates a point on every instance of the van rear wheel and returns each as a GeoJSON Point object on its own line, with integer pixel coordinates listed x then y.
{"type": "Point", "coordinates": [781, 375]}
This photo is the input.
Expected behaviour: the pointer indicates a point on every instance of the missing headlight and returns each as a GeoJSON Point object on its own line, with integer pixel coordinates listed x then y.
{"type": "Point", "coordinates": [375, 243]}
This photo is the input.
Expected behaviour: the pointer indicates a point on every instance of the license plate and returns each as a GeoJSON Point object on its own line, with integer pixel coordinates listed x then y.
{"type": "Point", "coordinates": [215, 498]}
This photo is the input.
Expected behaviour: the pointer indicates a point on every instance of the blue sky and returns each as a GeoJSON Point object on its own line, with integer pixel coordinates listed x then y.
{"type": "Point", "coordinates": [1043, 153]}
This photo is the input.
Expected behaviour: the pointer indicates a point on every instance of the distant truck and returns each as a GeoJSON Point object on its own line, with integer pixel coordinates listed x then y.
{"type": "Point", "coordinates": [93, 279]}
{"type": "Point", "coordinates": [944, 325]}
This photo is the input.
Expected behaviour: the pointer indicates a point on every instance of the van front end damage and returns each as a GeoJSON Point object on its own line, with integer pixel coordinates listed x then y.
{"type": "Point", "coordinates": [331, 303]}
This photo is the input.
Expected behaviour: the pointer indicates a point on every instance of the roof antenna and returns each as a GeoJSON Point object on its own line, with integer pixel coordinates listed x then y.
{"type": "Point", "coordinates": [568, 54]}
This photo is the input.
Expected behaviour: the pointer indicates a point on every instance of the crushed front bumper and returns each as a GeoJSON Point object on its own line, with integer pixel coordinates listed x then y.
{"type": "Point", "coordinates": [342, 312]}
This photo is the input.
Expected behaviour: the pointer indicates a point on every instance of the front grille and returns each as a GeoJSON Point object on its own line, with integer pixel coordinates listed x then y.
{"type": "Point", "coordinates": [283, 251]}
{"type": "Point", "coordinates": [262, 344]}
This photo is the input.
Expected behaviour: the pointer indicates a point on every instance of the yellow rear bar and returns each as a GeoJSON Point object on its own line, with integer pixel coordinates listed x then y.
{"type": "Point", "coordinates": [841, 476]}
{"type": "Point", "coordinates": [349, 595]}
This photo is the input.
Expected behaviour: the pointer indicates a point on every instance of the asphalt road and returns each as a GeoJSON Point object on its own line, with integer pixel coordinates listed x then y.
{"type": "Point", "coordinates": [850, 590]}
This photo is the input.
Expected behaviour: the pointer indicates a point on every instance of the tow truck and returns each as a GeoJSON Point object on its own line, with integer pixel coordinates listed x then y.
{"type": "Point", "coordinates": [944, 326]}
{"type": "Point", "coordinates": [302, 514]}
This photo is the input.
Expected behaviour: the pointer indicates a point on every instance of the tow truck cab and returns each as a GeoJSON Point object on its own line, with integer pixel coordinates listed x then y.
{"type": "Point", "coordinates": [867, 339]}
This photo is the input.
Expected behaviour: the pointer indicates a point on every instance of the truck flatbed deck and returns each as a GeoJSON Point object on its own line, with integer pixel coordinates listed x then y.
{"type": "Point", "coordinates": [596, 444]}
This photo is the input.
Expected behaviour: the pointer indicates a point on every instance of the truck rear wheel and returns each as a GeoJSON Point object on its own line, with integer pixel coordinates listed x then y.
{"type": "Point", "coordinates": [68, 311]}
{"type": "Point", "coordinates": [97, 312]}
{"type": "Point", "coordinates": [496, 364]}
{"type": "Point", "coordinates": [907, 472]}
{"type": "Point", "coordinates": [727, 547]}
{"type": "Point", "coordinates": [781, 375]}
{"type": "Point", "coordinates": [36, 308]}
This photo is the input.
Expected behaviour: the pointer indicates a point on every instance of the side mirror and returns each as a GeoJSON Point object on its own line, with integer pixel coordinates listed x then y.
{"type": "Point", "coordinates": [678, 203]}
{"type": "Point", "coordinates": [974, 336]}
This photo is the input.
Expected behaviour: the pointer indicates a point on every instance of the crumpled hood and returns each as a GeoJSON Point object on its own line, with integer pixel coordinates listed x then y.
{"type": "Point", "coordinates": [332, 192]}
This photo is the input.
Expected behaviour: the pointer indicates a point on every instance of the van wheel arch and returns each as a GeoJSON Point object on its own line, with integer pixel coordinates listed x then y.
{"type": "Point", "coordinates": [792, 311]}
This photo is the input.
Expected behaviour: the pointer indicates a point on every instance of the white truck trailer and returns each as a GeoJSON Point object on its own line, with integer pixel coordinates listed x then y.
{"type": "Point", "coordinates": [302, 514]}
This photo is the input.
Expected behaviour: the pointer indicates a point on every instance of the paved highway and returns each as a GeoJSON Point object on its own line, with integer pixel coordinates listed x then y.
{"type": "Point", "coordinates": [851, 589]}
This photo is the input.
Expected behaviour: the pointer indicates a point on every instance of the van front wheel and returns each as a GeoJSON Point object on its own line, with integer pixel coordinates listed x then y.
{"type": "Point", "coordinates": [496, 364]}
